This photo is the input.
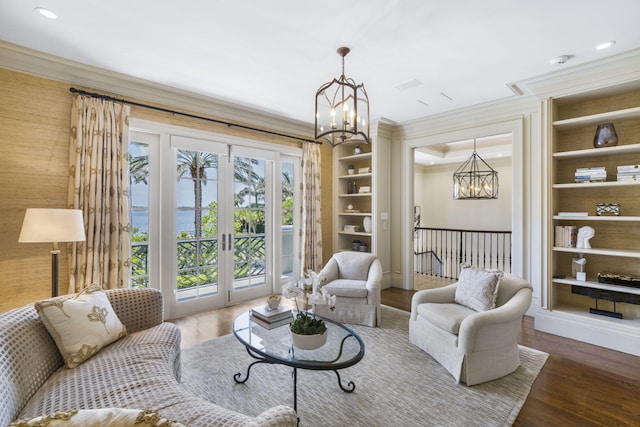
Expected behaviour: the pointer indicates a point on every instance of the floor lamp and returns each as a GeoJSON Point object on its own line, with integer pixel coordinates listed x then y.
{"type": "Point", "coordinates": [52, 226]}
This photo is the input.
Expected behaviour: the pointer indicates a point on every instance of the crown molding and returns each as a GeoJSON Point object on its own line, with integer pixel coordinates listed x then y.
{"type": "Point", "coordinates": [488, 113]}
{"type": "Point", "coordinates": [622, 69]}
{"type": "Point", "coordinates": [29, 61]}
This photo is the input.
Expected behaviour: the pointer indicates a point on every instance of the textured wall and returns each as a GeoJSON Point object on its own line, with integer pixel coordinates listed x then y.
{"type": "Point", "coordinates": [34, 138]}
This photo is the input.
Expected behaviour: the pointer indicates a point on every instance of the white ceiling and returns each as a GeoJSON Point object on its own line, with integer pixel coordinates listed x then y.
{"type": "Point", "coordinates": [273, 55]}
{"type": "Point", "coordinates": [491, 147]}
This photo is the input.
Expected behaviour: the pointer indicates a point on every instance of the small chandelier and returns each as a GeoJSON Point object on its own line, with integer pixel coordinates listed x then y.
{"type": "Point", "coordinates": [342, 110]}
{"type": "Point", "coordinates": [471, 181]}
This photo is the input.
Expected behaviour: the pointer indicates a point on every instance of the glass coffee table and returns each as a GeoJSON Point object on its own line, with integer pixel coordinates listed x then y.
{"type": "Point", "coordinates": [344, 348]}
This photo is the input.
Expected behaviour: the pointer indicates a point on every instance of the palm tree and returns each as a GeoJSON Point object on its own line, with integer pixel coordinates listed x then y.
{"type": "Point", "coordinates": [191, 163]}
{"type": "Point", "coordinates": [194, 164]}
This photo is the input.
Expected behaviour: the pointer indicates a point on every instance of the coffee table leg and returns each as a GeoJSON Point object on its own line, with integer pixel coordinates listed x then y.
{"type": "Point", "coordinates": [295, 389]}
{"type": "Point", "coordinates": [237, 376]}
{"type": "Point", "coordinates": [350, 385]}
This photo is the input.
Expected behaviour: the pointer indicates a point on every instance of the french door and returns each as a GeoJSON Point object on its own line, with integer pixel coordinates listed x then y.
{"type": "Point", "coordinates": [221, 215]}
{"type": "Point", "coordinates": [222, 225]}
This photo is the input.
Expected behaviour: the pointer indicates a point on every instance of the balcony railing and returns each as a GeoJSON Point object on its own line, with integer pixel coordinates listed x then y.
{"type": "Point", "coordinates": [443, 251]}
{"type": "Point", "coordinates": [197, 260]}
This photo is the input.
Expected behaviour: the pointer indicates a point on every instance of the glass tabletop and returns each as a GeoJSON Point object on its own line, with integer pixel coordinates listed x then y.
{"type": "Point", "coordinates": [344, 347]}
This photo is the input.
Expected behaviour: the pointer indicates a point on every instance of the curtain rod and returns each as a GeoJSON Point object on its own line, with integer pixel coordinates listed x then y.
{"type": "Point", "coordinates": [193, 116]}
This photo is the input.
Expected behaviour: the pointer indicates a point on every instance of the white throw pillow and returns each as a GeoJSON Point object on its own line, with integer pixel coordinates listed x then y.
{"type": "Point", "coordinates": [477, 289]}
{"type": "Point", "coordinates": [107, 417]}
{"type": "Point", "coordinates": [81, 326]}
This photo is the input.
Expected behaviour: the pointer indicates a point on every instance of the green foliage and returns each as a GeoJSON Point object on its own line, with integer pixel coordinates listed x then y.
{"type": "Point", "coordinates": [307, 324]}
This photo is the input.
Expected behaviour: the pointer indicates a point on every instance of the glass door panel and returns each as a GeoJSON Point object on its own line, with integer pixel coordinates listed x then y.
{"type": "Point", "coordinates": [287, 259]}
{"type": "Point", "coordinates": [197, 246]}
{"type": "Point", "coordinates": [252, 193]}
{"type": "Point", "coordinates": [196, 253]}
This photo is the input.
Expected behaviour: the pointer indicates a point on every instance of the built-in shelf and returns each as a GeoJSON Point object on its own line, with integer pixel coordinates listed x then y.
{"type": "Point", "coordinates": [355, 157]}
{"type": "Point", "coordinates": [593, 283]}
{"type": "Point", "coordinates": [628, 253]}
{"type": "Point", "coordinates": [354, 233]}
{"type": "Point", "coordinates": [612, 218]}
{"type": "Point", "coordinates": [344, 200]}
{"type": "Point", "coordinates": [594, 119]}
{"type": "Point", "coordinates": [597, 184]}
{"type": "Point", "coordinates": [355, 195]}
{"type": "Point", "coordinates": [568, 312]}
{"type": "Point", "coordinates": [356, 176]}
{"type": "Point", "coordinates": [604, 151]}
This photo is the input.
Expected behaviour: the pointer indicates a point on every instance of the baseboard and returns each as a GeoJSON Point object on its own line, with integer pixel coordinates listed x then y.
{"type": "Point", "coordinates": [609, 333]}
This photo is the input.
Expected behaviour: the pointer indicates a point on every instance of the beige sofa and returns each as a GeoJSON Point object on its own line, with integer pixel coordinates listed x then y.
{"type": "Point", "coordinates": [139, 371]}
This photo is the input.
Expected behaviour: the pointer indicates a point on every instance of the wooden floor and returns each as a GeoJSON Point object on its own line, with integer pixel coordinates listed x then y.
{"type": "Point", "coordinates": [580, 384]}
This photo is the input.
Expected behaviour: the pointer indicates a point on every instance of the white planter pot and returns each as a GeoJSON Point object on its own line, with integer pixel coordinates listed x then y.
{"type": "Point", "coordinates": [309, 342]}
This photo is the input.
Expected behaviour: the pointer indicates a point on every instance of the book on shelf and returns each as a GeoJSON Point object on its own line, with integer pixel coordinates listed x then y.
{"type": "Point", "coordinates": [628, 173]}
{"type": "Point", "coordinates": [573, 214]}
{"type": "Point", "coordinates": [566, 236]}
{"type": "Point", "coordinates": [629, 168]}
{"type": "Point", "coordinates": [595, 174]}
{"type": "Point", "coordinates": [272, 325]}
{"type": "Point", "coordinates": [634, 177]}
{"type": "Point", "coordinates": [268, 315]}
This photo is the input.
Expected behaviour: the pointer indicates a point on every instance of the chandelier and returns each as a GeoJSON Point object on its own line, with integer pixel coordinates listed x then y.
{"type": "Point", "coordinates": [475, 179]}
{"type": "Point", "coordinates": [342, 110]}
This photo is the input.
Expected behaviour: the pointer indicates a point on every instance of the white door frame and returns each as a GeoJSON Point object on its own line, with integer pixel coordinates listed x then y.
{"type": "Point", "coordinates": [515, 127]}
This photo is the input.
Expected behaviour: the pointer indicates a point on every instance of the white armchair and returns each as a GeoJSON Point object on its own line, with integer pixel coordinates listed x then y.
{"type": "Point", "coordinates": [474, 346]}
{"type": "Point", "coordinates": [354, 278]}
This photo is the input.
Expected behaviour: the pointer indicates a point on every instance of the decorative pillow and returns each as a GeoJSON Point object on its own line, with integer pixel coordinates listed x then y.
{"type": "Point", "coordinates": [477, 289]}
{"type": "Point", "coordinates": [107, 417]}
{"type": "Point", "coordinates": [81, 326]}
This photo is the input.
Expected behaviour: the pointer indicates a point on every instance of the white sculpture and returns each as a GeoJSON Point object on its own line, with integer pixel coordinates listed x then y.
{"type": "Point", "coordinates": [584, 234]}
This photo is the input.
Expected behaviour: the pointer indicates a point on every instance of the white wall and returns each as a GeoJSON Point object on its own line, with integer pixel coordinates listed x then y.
{"type": "Point", "coordinates": [433, 192]}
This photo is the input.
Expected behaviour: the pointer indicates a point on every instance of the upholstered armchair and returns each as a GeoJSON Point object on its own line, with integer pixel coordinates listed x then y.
{"type": "Point", "coordinates": [476, 344]}
{"type": "Point", "coordinates": [354, 278]}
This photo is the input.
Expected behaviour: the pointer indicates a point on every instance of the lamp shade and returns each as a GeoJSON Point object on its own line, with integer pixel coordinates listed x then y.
{"type": "Point", "coordinates": [52, 225]}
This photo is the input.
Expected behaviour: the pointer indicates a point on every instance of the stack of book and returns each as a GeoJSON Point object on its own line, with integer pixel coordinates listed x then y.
{"type": "Point", "coordinates": [596, 174]}
{"type": "Point", "coordinates": [629, 173]}
{"type": "Point", "coordinates": [566, 236]}
{"type": "Point", "coordinates": [269, 319]}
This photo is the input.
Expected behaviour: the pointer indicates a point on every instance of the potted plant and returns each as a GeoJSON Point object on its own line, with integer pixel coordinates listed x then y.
{"type": "Point", "coordinates": [307, 331]}
{"type": "Point", "coordinates": [351, 169]}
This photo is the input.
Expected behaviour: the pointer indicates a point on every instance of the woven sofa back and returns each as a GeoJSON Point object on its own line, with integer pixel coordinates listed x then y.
{"type": "Point", "coordinates": [28, 356]}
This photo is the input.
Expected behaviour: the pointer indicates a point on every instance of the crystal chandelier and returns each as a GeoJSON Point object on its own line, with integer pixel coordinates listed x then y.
{"type": "Point", "coordinates": [475, 179]}
{"type": "Point", "coordinates": [342, 110]}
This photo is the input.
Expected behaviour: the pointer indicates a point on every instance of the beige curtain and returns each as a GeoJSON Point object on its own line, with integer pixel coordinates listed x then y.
{"type": "Point", "coordinates": [99, 186]}
{"type": "Point", "coordinates": [311, 209]}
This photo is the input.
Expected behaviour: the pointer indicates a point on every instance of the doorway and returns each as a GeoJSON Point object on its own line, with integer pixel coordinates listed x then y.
{"type": "Point", "coordinates": [440, 156]}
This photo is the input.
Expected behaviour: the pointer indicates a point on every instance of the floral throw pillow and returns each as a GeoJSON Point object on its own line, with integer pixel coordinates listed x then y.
{"type": "Point", "coordinates": [477, 289]}
{"type": "Point", "coordinates": [81, 326]}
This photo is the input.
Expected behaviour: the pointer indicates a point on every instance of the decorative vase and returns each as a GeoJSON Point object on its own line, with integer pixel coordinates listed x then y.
{"type": "Point", "coordinates": [309, 342]}
{"type": "Point", "coordinates": [606, 136]}
{"type": "Point", "coordinates": [366, 223]}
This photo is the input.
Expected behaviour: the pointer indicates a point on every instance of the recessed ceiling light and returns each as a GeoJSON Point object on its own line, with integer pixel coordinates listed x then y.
{"type": "Point", "coordinates": [605, 45]}
{"type": "Point", "coordinates": [47, 13]}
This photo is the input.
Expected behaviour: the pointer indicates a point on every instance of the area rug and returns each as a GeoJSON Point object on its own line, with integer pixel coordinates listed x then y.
{"type": "Point", "coordinates": [396, 384]}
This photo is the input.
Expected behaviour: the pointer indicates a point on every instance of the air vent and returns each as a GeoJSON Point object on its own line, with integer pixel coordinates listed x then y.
{"type": "Point", "coordinates": [438, 99]}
